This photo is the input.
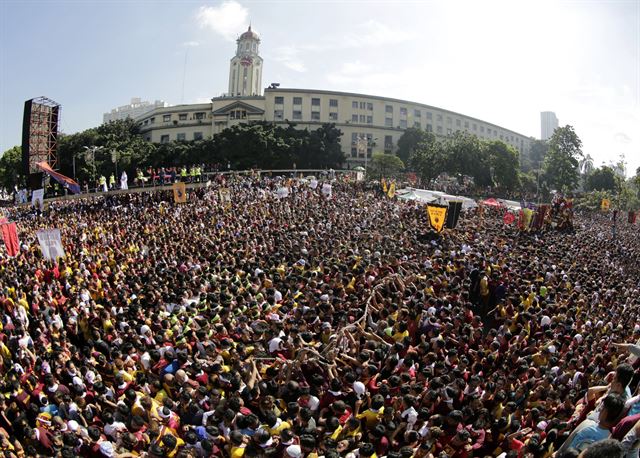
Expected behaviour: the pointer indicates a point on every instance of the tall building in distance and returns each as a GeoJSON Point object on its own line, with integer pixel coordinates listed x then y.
{"type": "Point", "coordinates": [548, 123]}
{"type": "Point", "coordinates": [136, 108]}
{"type": "Point", "coordinates": [245, 70]}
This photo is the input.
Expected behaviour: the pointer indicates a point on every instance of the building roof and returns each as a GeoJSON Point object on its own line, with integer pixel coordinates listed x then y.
{"type": "Point", "coordinates": [249, 35]}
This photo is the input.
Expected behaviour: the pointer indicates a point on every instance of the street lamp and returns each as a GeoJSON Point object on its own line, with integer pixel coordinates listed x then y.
{"type": "Point", "coordinates": [92, 150]}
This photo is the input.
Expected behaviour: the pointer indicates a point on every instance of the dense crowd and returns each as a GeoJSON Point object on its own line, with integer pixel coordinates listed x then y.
{"type": "Point", "coordinates": [315, 326]}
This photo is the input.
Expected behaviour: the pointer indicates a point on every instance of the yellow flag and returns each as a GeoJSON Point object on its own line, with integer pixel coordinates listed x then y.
{"type": "Point", "coordinates": [392, 190]}
{"type": "Point", "coordinates": [437, 216]}
{"type": "Point", "coordinates": [179, 192]}
{"type": "Point", "coordinates": [604, 206]}
{"type": "Point", "coordinates": [384, 185]}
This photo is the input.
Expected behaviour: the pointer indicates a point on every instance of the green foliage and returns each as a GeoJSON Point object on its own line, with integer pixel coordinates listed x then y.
{"type": "Point", "coordinates": [409, 141]}
{"type": "Point", "coordinates": [602, 179]}
{"type": "Point", "coordinates": [591, 201]}
{"type": "Point", "coordinates": [11, 168]}
{"type": "Point", "coordinates": [537, 151]}
{"type": "Point", "coordinates": [384, 165]}
{"type": "Point", "coordinates": [504, 160]}
{"type": "Point", "coordinates": [428, 159]}
{"type": "Point", "coordinates": [260, 144]}
{"type": "Point", "coordinates": [561, 164]}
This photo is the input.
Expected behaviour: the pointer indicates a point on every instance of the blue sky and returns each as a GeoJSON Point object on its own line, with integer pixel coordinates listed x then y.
{"type": "Point", "coordinates": [500, 61]}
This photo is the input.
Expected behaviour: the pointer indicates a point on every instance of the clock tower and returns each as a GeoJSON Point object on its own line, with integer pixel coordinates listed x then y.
{"type": "Point", "coordinates": [245, 72]}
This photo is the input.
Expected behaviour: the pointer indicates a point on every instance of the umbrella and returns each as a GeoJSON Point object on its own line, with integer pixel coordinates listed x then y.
{"type": "Point", "coordinates": [358, 169]}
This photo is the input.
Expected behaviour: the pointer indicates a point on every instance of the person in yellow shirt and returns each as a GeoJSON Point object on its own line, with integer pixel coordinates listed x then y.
{"type": "Point", "coordinates": [373, 414]}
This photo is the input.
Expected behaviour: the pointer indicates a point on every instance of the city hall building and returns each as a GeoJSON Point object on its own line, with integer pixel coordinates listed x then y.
{"type": "Point", "coordinates": [368, 123]}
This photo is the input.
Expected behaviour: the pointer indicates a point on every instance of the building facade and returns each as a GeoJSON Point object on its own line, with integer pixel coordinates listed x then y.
{"type": "Point", "coordinates": [548, 123]}
{"type": "Point", "coordinates": [369, 123]}
{"type": "Point", "coordinates": [135, 109]}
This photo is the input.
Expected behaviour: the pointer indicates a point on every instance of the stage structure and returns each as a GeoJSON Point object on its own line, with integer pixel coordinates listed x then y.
{"type": "Point", "coordinates": [39, 137]}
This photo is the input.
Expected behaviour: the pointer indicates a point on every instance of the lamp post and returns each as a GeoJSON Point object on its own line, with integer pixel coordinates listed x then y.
{"type": "Point", "coordinates": [92, 150]}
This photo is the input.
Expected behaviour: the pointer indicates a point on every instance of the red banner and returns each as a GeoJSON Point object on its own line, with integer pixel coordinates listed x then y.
{"type": "Point", "coordinates": [508, 217]}
{"type": "Point", "coordinates": [10, 236]}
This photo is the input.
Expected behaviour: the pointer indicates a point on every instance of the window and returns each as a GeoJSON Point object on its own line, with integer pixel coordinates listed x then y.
{"type": "Point", "coordinates": [403, 111]}
{"type": "Point", "coordinates": [279, 100]}
{"type": "Point", "coordinates": [501, 137]}
{"type": "Point", "coordinates": [417, 125]}
{"type": "Point", "coordinates": [388, 122]}
{"type": "Point", "coordinates": [458, 123]}
{"type": "Point", "coordinates": [495, 133]}
{"type": "Point", "coordinates": [439, 129]}
{"type": "Point", "coordinates": [369, 106]}
{"type": "Point", "coordinates": [417, 113]}
{"type": "Point", "coordinates": [164, 139]}
{"type": "Point", "coordinates": [369, 119]}
{"type": "Point", "coordinates": [333, 102]}
{"type": "Point", "coordinates": [197, 136]}
{"type": "Point", "coordinates": [354, 139]}
{"type": "Point", "coordinates": [388, 109]}
{"type": "Point", "coordinates": [363, 119]}
{"type": "Point", "coordinates": [482, 129]}
{"type": "Point", "coordinates": [181, 137]}
{"type": "Point", "coordinates": [354, 105]}
{"type": "Point", "coordinates": [354, 118]}
{"type": "Point", "coordinates": [354, 151]}
{"type": "Point", "coordinates": [429, 128]}
{"type": "Point", "coordinates": [388, 143]}
{"type": "Point", "coordinates": [182, 116]}
{"type": "Point", "coordinates": [297, 100]}
{"type": "Point", "coordinates": [448, 131]}
{"type": "Point", "coordinates": [146, 121]}
{"type": "Point", "coordinates": [315, 102]}
{"type": "Point", "coordinates": [166, 118]}
{"type": "Point", "coordinates": [278, 115]}
{"type": "Point", "coordinates": [429, 115]}
{"type": "Point", "coordinates": [297, 114]}
{"type": "Point", "coordinates": [200, 115]}
{"type": "Point", "coordinates": [403, 124]}
{"type": "Point", "coordinates": [315, 116]}
{"type": "Point", "coordinates": [449, 120]}
{"type": "Point", "coordinates": [466, 124]}
{"type": "Point", "coordinates": [439, 118]}
{"type": "Point", "coordinates": [363, 105]}
{"type": "Point", "coordinates": [474, 126]}
{"type": "Point", "coordinates": [333, 116]}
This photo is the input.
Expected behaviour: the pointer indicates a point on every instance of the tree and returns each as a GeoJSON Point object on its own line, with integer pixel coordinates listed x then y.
{"type": "Point", "coordinates": [537, 152]}
{"type": "Point", "coordinates": [409, 140]}
{"type": "Point", "coordinates": [11, 168]}
{"type": "Point", "coordinates": [586, 165]}
{"type": "Point", "coordinates": [428, 160]}
{"type": "Point", "coordinates": [385, 165]}
{"type": "Point", "coordinates": [561, 165]}
{"type": "Point", "coordinates": [602, 179]}
{"type": "Point", "coordinates": [504, 161]}
{"type": "Point", "coordinates": [465, 155]}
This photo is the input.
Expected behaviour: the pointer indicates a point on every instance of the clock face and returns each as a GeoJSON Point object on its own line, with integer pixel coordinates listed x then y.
{"type": "Point", "coordinates": [246, 61]}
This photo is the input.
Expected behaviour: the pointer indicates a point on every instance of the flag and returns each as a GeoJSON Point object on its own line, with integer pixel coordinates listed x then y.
{"type": "Point", "coordinates": [453, 213]}
{"type": "Point", "coordinates": [604, 206]}
{"type": "Point", "coordinates": [508, 217]}
{"type": "Point", "coordinates": [540, 214]}
{"type": "Point", "coordinates": [50, 243]}
{"type": "Point", "coordinates": [384, 185]}
{"type": "Point", "coordinates": [10, 236]}
{"type": "Point", "coordinates": [37, 198]}
{"type": "Point", "coordinates": [313, 184]}
{"type": "Point", "coordinates": [524, 218]}
{"type": "Point", "coordinates": [632, 217]}
{"type": "Point", "coordinates": [392, 190]}
{"type": "Point", "coordinates": [65, 181]}
{"type": "Point", "coordinates": [282, 192]}
{"type": "Point", "coordinates": [179, 192]}
{"type": "Point", "coordinates": [437, 216]}
{"type": "Point", "coordinates": [225, 195]}
{"type": "Point", "coordinates": [326, 190]}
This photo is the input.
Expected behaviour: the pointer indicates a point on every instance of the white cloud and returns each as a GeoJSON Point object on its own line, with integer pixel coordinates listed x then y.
{"type": "Point", "coordinates": [227, 19]}
{"type": "Point", "coordinates": [289, 56]}
{"type": "Point", "coordinates": [621, 137]}
{"type": "Point", "coordinates": [374, 33]}
{"type": "Point", "coordinates": [190, 44]}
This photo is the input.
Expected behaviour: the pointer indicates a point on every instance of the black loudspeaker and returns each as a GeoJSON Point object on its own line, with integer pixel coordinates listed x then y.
{"type": "Point", "coordinates": [34, 181]}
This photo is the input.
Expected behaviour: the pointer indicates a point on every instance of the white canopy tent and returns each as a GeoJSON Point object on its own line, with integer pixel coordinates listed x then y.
{"type": "Point", "coordinates": [428, 196]}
